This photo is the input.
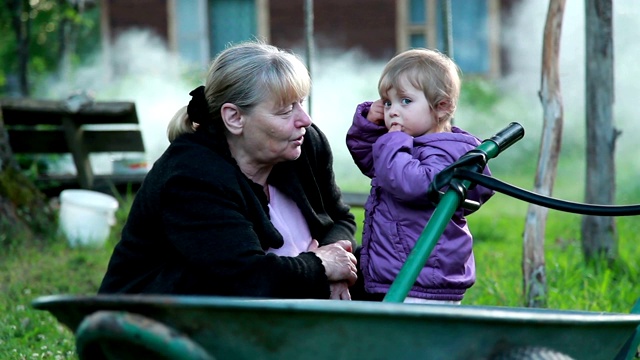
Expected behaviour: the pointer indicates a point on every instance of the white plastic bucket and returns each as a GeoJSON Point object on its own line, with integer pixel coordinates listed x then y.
{"type": "Point", "coordinates": [86, 216]}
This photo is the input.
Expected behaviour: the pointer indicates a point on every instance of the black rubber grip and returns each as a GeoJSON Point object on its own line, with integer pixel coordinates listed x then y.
{"type": "Point", "coordinates": [507, 136]}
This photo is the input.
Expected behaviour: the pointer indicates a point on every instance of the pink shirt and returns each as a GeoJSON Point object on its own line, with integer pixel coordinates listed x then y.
{"type": "Point", "coordinates": [287, 218]}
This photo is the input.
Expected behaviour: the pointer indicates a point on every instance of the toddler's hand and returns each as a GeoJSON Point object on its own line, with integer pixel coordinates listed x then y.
{"type": "Point", "coordinates": [339, 291]}
{"type": "Point", "coordinates": [395, 127]}
{"type": "Point", "coordinates": [376, 112]}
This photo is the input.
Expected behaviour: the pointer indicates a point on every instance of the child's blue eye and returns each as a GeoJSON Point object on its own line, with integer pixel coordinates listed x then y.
{"type": "Point", "coordinates": [406, 101]}
{"type": "Point", "coordinates": [386, 103]}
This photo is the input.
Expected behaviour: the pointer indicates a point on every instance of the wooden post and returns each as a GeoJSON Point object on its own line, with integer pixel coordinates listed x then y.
{"type": "Point", "coordinates": [599, 235]}
{"type": "Point", "coordinates": [310, 49]}
{"type": "Point", "coordinates": [533, 263]}
{"type": "Point", "coordinates": [6, 154]}
{"type": "Point", "coordinates": [22, 27]}
{"type": "Point", "coordinates": [447, 28]}
{"type": "Point", "coordinates": [402, 20]}
{"type": "Point", "coordinates": [73, 134]}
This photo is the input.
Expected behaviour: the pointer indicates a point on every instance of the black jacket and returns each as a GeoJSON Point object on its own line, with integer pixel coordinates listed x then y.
{"type": "Point", "coordinates": [198, 225]}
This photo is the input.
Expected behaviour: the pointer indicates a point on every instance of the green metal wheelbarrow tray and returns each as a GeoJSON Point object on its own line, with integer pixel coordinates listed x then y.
{"type": "Point", "coordinates": [204, 327]}
{"type": "Point", "coordinates": [136, 326]}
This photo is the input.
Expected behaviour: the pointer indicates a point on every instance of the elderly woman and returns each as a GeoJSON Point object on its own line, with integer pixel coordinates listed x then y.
{"type": "Point", "coordinates": [243, 202]}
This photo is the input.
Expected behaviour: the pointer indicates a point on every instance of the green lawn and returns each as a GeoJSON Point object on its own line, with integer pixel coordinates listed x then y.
{"type": "Point", "coordinates": [572, 284]}
{"type": "Point", "coordinates": [27, 272]}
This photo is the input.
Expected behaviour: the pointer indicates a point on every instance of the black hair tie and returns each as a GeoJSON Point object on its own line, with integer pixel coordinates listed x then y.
{"type": "Point", "coordinates": [198, 108]}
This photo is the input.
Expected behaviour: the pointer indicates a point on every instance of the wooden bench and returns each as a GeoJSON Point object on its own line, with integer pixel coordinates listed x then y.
{"type": "Point", "coordinates": [78, 126]}
{"type": "Point", "coordinates": [354, 199]}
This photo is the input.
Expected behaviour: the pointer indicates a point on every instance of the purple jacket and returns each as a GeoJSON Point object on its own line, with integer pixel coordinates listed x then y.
{"type": "Point", "coordinates": [397, 210]}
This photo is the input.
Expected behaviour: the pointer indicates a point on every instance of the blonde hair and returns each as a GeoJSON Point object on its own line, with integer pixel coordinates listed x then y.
{"type": "Point", "coordinates": [247, 74]}
{"type": "Point", "coordinates": [430, 71]}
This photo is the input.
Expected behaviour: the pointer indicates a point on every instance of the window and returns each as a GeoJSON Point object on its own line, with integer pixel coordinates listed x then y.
{"type": "Point", "coordinates": [474, 29]}
{"type": "Point", "coordinates": [200, 29]}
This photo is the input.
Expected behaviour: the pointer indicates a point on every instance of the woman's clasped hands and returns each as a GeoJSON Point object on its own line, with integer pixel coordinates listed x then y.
{"type": "Point", "coordinates": [340, 266]}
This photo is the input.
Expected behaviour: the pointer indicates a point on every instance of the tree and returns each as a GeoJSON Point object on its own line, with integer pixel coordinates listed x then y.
{"type": "Point", "coordinates": [533, 263]}
{"type": "Point", "coordinates": [599, 234]}
{"type": "Point", "coordinates": [24, 210]}
{"type": "Point", "coordinates": [44, 36]}
{"type": "Point", "coordinates": [22, 28]}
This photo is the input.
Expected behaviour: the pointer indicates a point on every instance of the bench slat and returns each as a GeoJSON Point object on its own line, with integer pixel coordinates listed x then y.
{"type": "Point", "coordinates": [31, 112]}
{"type": "Point", "coordinates": [54, 141]}
{"type": "Point", "coordinates": [49, 126]}
{"type": "Point", "coordinates": [354, 199]}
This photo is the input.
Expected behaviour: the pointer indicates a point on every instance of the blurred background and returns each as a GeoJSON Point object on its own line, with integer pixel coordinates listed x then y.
{"type": "Point", "coordinates": [153, 52]}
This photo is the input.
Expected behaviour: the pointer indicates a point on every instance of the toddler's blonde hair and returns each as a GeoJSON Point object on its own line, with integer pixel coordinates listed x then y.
{"type": "Point", "coordinates": [430, 71]}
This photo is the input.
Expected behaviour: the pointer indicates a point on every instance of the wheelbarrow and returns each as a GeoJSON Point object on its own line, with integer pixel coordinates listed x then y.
{"type": "Point", "coordinates": [206, 327]}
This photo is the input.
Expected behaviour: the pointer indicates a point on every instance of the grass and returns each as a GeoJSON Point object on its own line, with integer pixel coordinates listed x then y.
{"type": "Point", "coordinates": [27, 272]}
{"type": "Point", "coordinates": [32, 269]}
{"type": "Point", "coordinates": [572, 284]}
{"type": "Point", "coordinates": [26, 333]}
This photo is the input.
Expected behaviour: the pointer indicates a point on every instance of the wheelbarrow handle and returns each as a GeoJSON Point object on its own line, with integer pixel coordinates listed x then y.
{"type": "Point", "coordinates": [124, 335]}
{"type": "Point", "coordinates": [630, 349]}
{"type": "Point", "coordinates": [446, 207]}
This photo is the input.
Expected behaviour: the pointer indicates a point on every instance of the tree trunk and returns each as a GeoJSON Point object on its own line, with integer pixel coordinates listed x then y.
{"type": "Point", "coordinates": [25, 212]}
{"type": "Point", "coordinates": [68, 29]}
{"type": "Point", "coordinates": [599, 235]}
{"type": "Point", "coordinates": [22, 29]}
{"type": "Point", "coordinates": [533, 263]}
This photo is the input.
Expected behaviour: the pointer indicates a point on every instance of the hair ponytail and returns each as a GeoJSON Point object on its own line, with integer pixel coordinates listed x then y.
{"type": "Point", "coordinates": [179, 124]}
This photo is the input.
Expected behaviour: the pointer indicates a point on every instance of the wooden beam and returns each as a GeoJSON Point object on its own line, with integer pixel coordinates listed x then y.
{"type": "Point", "coordinates": [402, 23]}
{"type": "Point", "coordinates": [54, 141]}
{"type": "Point", "coordinates": [430, 28]}
{"type": "Point", "coordinates": [73, 134]}
{"type": "Point", "coordinates": [533, 263]}
{"type": "Point", "coordinates": [37, 112]}
{"type": "Point", "coordinates": [262, 20]}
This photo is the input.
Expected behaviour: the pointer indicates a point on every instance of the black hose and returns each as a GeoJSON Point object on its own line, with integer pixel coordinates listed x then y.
{"type": "Point", "coordinates": [545, 201]}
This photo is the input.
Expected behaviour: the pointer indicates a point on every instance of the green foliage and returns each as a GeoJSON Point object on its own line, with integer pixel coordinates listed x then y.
{"type": "Point", "coordinates": [32, 166]}
{"type": "Point", "coordinates": [479, 93]}
{"type": "Point", "coordinates": [31, 207]}
{"type": "Point", "coordinates": [8, 47]}
{"type": "Point", "coordinates": [49, 20]}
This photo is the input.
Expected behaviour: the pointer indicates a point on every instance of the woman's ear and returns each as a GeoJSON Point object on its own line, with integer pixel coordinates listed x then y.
{"type": "Point", "coordinates": [232, 118]}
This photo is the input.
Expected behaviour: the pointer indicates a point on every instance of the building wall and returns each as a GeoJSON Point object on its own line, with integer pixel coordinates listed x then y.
{"type": "Point", "coordinates": [372, 26]}
{"type": "Point", "coordinates": [367, 25]}
{"type": "Point", "coordinates": [122, 15]}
